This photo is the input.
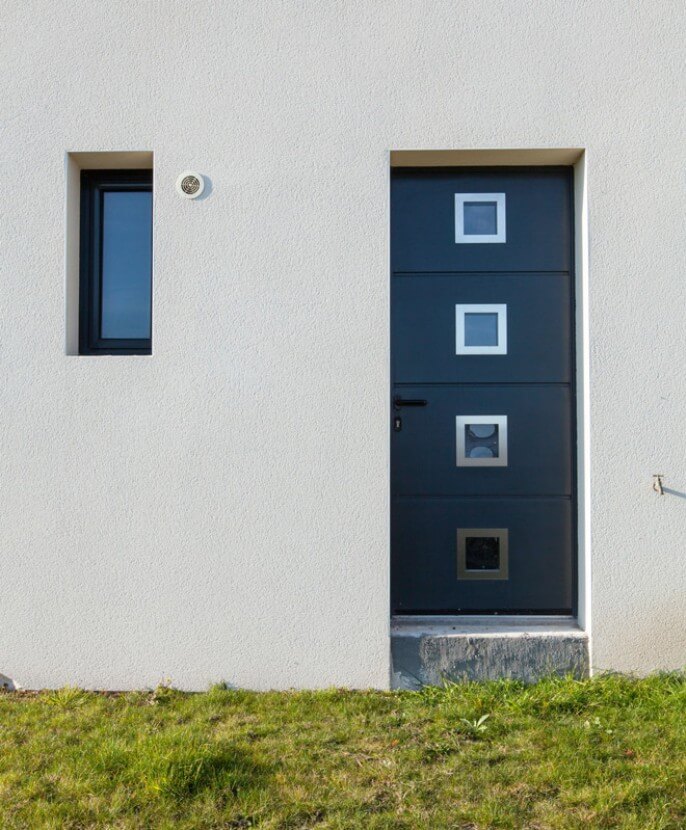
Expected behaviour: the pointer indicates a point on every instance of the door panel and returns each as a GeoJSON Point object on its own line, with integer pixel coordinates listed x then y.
{"type": "Point", "coordinates": [482, 433]}
{"type": "Point", "coordinates": [424, 539]}
{"type": "Point", "coordinates": [538, 327]}
{"type": "Point", "coordinates": [538, 219]}
{"type": "Point", "coordinates": [538, 441]}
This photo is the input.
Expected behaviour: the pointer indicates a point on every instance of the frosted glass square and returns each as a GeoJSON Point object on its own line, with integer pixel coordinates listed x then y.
{"type": "Point", "coordinates": [480, 329]}
{"type": "Point", "coordinates": [480, 218]}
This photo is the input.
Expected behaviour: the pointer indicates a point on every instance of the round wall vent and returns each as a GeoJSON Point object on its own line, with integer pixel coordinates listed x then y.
{"type": "Point", "coordinates": [190, 185]}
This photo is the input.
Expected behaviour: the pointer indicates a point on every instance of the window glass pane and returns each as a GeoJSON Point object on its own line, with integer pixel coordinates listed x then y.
{"type": "Point", "coordinates": [481, 441]}
{"type": "Point", "coordinates": [480, 218]}
{"type": "Point", "coordinates": [126, 264]}
{"type": "Point", "coordinates": [482, 553]}
{"type": "Point", "coordinates": [480, 329]}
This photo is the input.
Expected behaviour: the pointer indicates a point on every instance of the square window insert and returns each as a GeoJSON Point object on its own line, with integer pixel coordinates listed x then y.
{"type": "Point", "coordinates": [479, 217]}
{"type": "Point", "coordinates": [482, 553]}
{"type": "Point", "coordinates": [481, 440]}
{"type": "Point", "coordinates": [481, 329]}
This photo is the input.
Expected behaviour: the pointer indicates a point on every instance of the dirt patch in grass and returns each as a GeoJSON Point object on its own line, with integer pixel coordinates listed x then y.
{"type": "Point", "coordinates": [604, 753]}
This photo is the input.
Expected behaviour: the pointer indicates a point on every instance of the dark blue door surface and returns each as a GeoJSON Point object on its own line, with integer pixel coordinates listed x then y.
{"type": "Point", "coordinates": [482, 432]}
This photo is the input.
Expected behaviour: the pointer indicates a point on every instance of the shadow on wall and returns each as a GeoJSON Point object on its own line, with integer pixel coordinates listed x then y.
{"type": "Point", "coordinates": [207, 192]}
{"type": "Point", "coordinates": [7, 683]}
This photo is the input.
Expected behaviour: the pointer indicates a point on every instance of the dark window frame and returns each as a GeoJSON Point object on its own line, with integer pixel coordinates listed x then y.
{"type": "Point", "coordinates": [94, 183]}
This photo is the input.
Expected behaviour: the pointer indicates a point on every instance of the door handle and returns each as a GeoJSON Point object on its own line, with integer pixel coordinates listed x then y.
{"type": "Point", "coordinates": [398, 402]}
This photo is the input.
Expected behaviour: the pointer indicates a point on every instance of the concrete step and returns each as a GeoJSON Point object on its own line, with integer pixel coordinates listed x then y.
{"type": "Point", "coordinates": [431, 650]}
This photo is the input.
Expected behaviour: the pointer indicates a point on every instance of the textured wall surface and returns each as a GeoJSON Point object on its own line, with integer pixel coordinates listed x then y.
{"type": "Point", "coordinates": [220, 510]}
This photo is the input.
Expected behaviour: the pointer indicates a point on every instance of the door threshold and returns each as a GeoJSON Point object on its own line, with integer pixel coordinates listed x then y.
{"type": "Point", "coordinates": [485, 625]}
{"type": "Point", "coordinates": [433, 650]}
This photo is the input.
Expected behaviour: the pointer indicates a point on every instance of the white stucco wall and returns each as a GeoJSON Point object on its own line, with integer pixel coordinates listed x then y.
{"type": "Point", "coordinates": [219, 511]}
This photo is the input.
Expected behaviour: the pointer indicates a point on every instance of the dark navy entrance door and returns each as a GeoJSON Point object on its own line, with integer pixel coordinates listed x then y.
{"type": "Point", "coordinates": [482, 432]}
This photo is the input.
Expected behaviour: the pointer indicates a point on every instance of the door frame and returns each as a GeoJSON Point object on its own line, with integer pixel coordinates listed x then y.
{"type": "Point", "coordinates": [576, 158]}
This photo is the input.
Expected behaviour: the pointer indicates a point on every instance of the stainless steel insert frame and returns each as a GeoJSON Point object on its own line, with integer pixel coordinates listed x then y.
{"type": "Point", "coordinates": [462, 422]}
{"type": "Point", "coordinates": [500, 533]}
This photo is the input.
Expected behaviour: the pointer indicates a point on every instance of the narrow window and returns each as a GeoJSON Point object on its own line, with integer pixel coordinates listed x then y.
{"type": "Point", "coordinates": [116, 262]}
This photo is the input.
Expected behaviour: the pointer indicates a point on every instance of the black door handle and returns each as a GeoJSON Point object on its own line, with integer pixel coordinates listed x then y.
{"type": "Point", "coordinates": [398, 402]}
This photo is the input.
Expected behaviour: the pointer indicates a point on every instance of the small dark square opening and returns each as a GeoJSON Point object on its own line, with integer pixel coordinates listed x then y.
{"type": "Point", "coordinates": [482, 553]}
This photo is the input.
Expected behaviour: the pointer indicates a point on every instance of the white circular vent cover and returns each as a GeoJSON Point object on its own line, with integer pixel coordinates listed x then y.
{"type": "Point", "coordinates": [190, 185]}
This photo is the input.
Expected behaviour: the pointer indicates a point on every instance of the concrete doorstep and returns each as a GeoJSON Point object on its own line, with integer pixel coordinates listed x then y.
{"type": "Point", "coordinates": [431, 651]}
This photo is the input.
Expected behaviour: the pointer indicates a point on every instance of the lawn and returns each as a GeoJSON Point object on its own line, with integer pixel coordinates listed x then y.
{"type": "Point", "coordinates": [605, 753]}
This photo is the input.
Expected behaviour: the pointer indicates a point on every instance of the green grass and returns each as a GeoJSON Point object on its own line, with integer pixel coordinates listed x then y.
{"type": "Point", "coordinates": [606, 753]}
